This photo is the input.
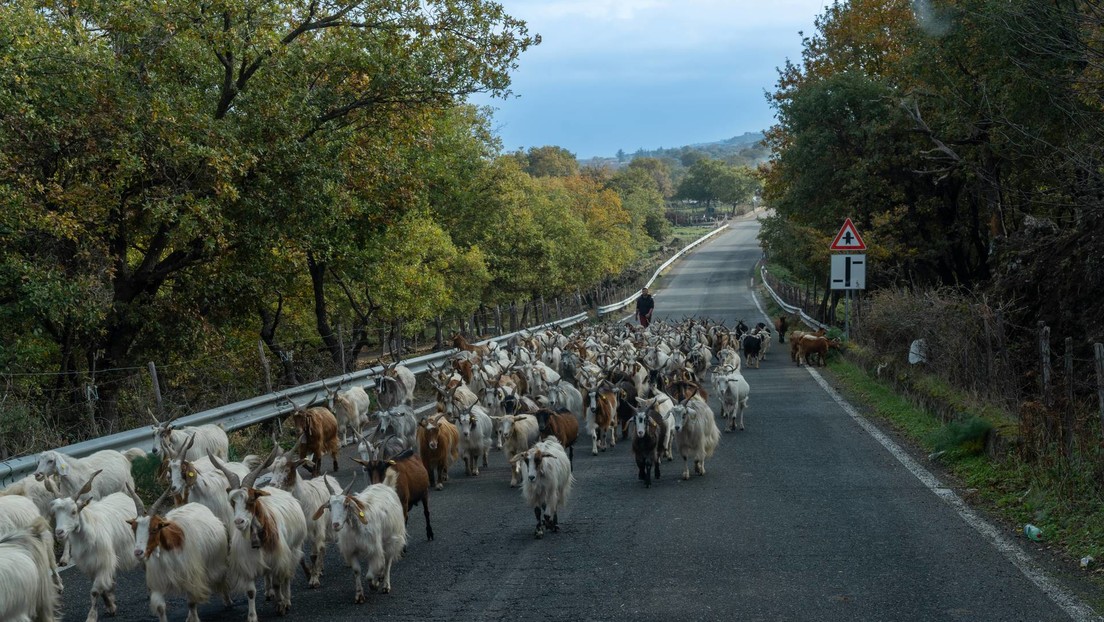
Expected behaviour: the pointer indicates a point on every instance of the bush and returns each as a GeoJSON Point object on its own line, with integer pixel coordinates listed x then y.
{"type": "Point", "coordinates": [963, 334]}
{"type": "Point", "coordinates": [963, 437]}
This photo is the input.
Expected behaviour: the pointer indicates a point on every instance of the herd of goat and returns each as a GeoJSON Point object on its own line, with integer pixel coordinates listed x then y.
{"type": "Point", "coordinates": [220, 525]}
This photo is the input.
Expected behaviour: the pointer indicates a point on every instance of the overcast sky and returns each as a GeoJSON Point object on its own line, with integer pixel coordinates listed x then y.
{"type": "Point", "coordinates": [626, 74]}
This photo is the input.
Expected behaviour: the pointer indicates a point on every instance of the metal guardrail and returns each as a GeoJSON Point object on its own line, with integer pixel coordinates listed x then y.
{"type": "Point", "coordinates": [617, 306]}
{"type": "Point", "coordinates": [249, 412]}
{"type": "Point", "coordinates": [262, 408]}
{"type": "Point", "coordinates": [788, 307]}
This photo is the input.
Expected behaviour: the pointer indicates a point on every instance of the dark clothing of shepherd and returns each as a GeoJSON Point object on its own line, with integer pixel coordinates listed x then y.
{"type": "Point", "coordinates": [644, 306]}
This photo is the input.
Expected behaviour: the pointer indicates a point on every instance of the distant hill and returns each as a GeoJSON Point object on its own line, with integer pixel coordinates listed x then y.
{"type": "Point", "coordinates": [747, 149]}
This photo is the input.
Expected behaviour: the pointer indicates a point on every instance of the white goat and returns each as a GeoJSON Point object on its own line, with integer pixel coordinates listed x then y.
{"type": "Point", "coordinates": [351, 408]}
{"type": "Point", "coordinates": [369, 525]}
{"type": "Point", "coordinates": [310, 493]}
{"type": "Point", "coordinates": [400, 421]}
{"type": "Point", "coordinates": [26, 591]}
{"type": "Point", "coordinates": [72, 473]}
{"type": "Point", "coordinates": [476, 437]}
{"type": "Point", "coordinates": [184, 551]}
{"type": "Point", "coordinates": [734, 391]}
{"type": "Point", "coordinates": [269, 530]}
{"type": "Point", "coordinates": [562, 394]}
{"type": "Point", "coordinates": [540, 377]}
{"type": "Point", "coordinates": [395, 386]}
{"type": "Point", "coordinates": [39, 492]}
{"type": "Point", "coordinates": [170, 440]}
{"type": "Point", "coordinates": [100, 543]}
{"type": "Point", "coordinates": [696, 432]}
{"type": "Point", "coordinates": [546, 482]}
{"type": "Point", "coordinates": [519, 433]}
{"type": "Point", "coordinates": [200, 481]}
{"type": "Point", "coordinates": [18, 512]}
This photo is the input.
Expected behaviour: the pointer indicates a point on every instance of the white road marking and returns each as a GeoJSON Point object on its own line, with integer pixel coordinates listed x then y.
{"type": "Point", "coordinates": [1069, 603]}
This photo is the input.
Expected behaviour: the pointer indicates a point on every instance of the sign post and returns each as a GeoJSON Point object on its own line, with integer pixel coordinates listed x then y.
{"type": "Point", "coordinates": [848, 270]}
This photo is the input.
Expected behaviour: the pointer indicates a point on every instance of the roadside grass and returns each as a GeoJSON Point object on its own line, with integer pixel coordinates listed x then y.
{"type": "Point", "coordinates": [978, 445]}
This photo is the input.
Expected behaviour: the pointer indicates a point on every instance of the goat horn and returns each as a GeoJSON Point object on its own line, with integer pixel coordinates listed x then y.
{"type": "Point", "coordinates": [154, 417]}
{"type": "Point", "coordinates": [188, 444]}
{"type": "Point", "coordinates": [252, 477]}
{"type": "Point", "coordinates": [232, 477]}
{"type": "Point", "coordinates": [350, 486]}
{"type": "Point", "coordinates": [87, 488]}
{"type": "Point", "coordinates": [328, 486]}
{"type": "Point", "coordinates": [156, 509]}
{"type": "Point", "coordinates": [138, 505]}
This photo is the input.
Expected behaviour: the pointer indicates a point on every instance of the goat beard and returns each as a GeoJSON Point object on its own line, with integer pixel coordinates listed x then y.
{"type": "Point", "coordinates": [256, 533]}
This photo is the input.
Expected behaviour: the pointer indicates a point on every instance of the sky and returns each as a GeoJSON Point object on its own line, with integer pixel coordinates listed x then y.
{"type": "Point", "coordinates": [630, 74]}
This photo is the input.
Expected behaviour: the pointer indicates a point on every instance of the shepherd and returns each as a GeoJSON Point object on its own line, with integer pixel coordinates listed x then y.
{"type": "Point", "coordinates": [645, 304]}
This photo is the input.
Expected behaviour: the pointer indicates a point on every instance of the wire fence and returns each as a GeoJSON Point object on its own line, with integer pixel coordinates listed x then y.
{"type": "Point", "coordinates": [956, 350]}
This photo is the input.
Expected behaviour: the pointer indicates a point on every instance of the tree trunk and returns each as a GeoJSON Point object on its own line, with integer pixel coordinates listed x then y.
{"type": "Point", "coordinates": [269, 323]}
{"type": "Point", "coordinates": [321, 314]}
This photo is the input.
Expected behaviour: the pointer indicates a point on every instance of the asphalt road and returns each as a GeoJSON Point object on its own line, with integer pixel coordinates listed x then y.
{"type": "Point", "coordinates": [802, 516]}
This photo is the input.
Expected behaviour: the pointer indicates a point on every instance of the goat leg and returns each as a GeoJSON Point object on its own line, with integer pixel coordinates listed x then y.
{"type": "Point", "coordinates": [540, 525]}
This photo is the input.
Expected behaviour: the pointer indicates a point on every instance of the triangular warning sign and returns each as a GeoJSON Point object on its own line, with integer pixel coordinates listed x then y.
{"type": "Point", "coordinates": [848, 238]}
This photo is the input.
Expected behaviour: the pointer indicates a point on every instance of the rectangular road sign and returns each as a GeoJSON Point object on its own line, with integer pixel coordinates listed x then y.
{"type": "Point", "coordinates": [848, 271]}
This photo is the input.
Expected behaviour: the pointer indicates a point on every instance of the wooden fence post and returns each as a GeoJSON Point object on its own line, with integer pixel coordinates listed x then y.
{"type": "Point", "coordinates": [1044, 360]}
{"type": "Point", "coordinates": [1098, 349]}
{"type": "Point", "coordinates": [1067, 414]}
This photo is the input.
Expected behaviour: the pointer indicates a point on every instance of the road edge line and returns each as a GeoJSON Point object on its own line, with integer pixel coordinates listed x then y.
{"type": "Point", "coordinates": [1070, 603]}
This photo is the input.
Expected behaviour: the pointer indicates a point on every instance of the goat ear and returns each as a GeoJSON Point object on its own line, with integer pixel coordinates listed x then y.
{"type": "Point", "coordinates": [321, 511]}
{"type": "Point", "coordinates": [361, 516]}
{"type": "Point", "coordinates": [61, 465]}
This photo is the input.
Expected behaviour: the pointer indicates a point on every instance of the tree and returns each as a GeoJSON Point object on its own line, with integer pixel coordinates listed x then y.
{"type": "Point", "coordinates": [641, 198]}
{"type": "Point", "coordinates": [660, 172]}
{"type": "Point", "coordinates": [147, 143]}
{"type": "Point", "coordinates": [549, 161]}
{"type": "Point", "coordinates": [709, 181]}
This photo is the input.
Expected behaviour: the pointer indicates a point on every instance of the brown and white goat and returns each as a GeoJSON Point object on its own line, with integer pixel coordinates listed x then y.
{"type": "Point", "coordinates": [408, 476]}
{"type": "Point", "coordinates": [268, 535]}
{"type": "Point", "coordinates": [561, 424]}
{"type": "Point", "coordinates": [439, 447]}
{"type": "Point", "coordinates": [317, 430]}
{"type": "Point", "coordinates": [601, 416]}
{"type": "Point", "coordinates": [812, 345]}
{"type": "Point", "coordinates": [795, 340]}
{"type": "Point", "coordinates": [184, 551]}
